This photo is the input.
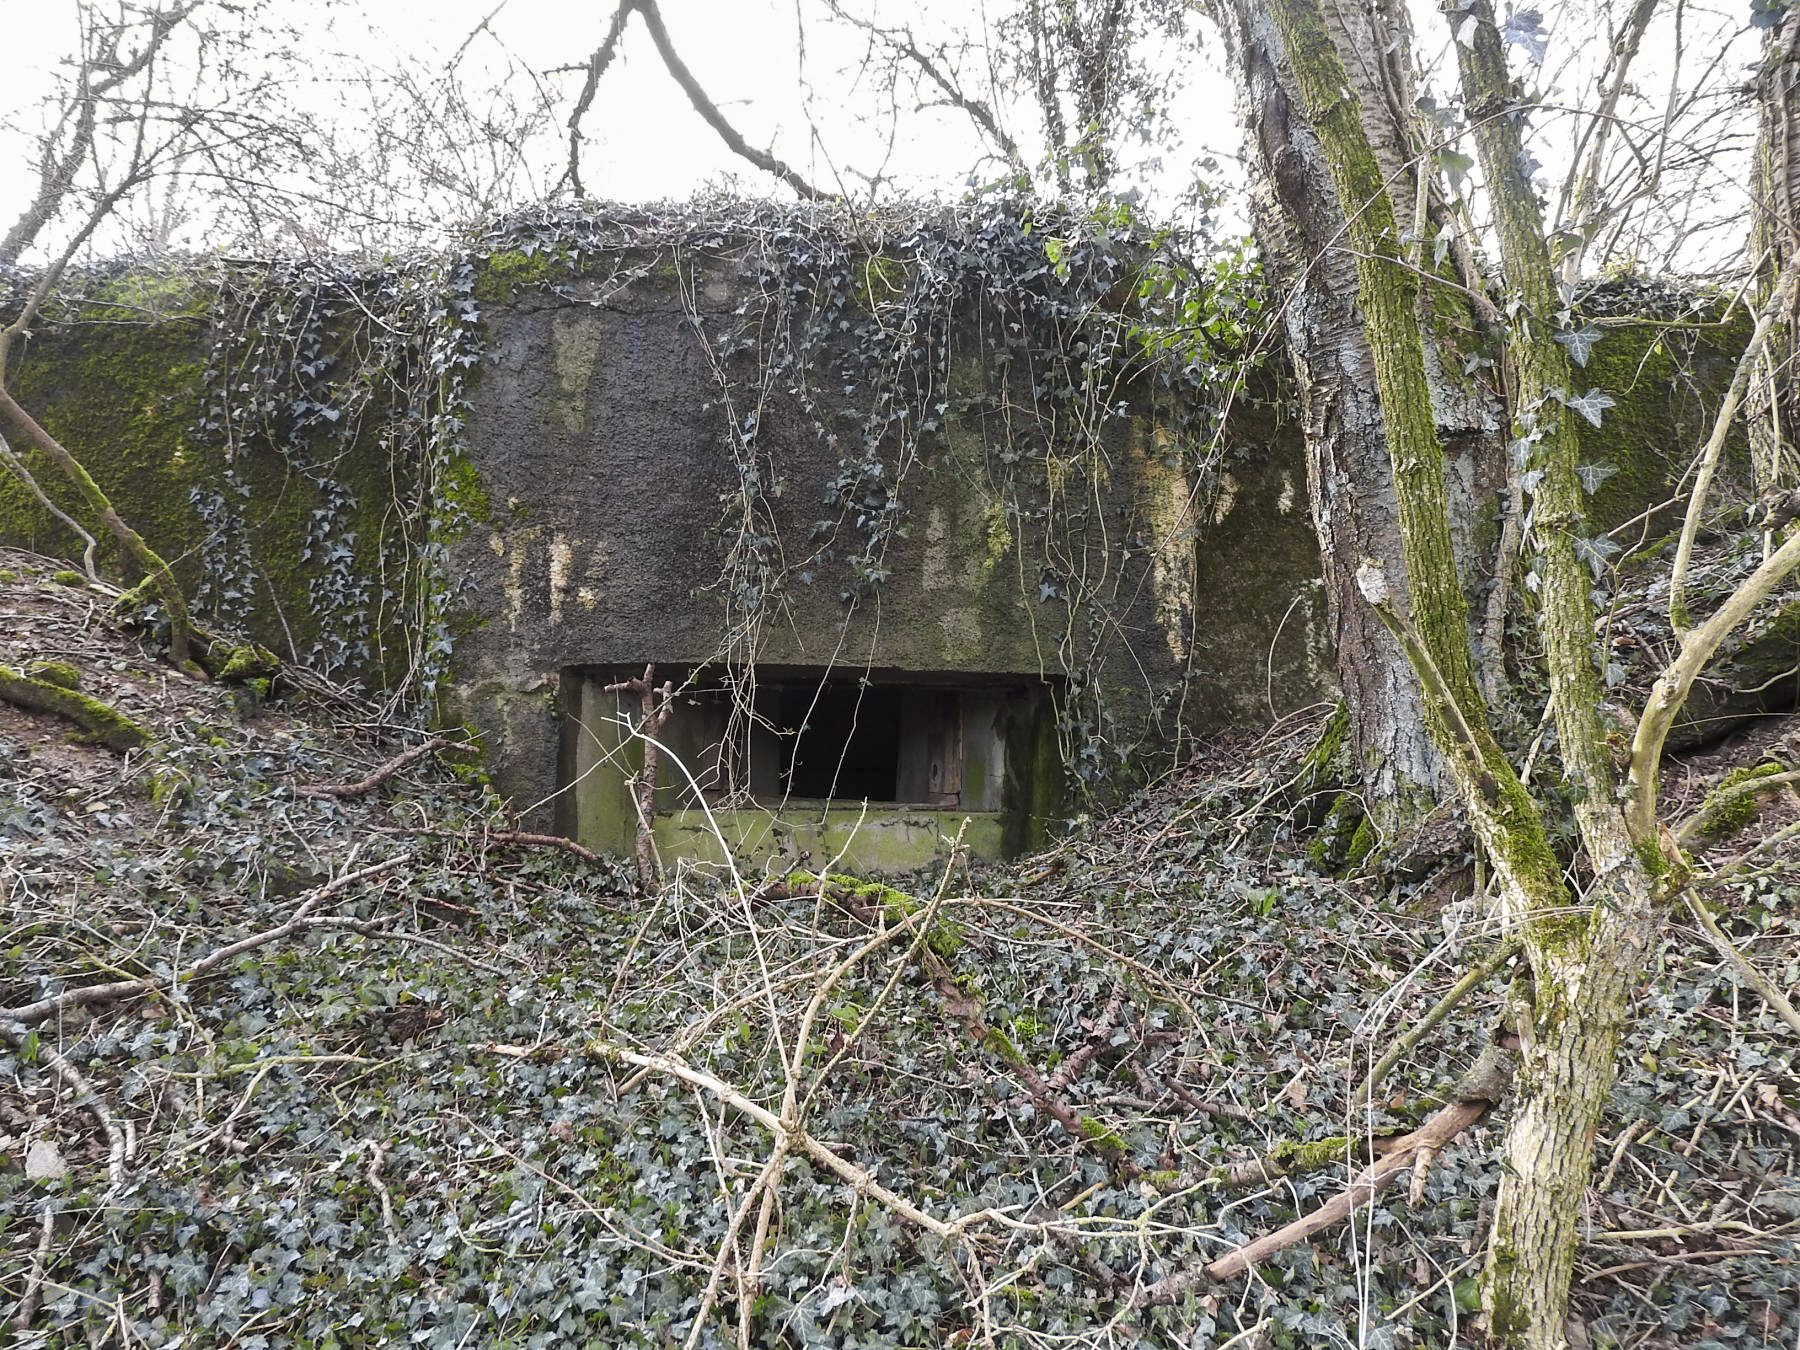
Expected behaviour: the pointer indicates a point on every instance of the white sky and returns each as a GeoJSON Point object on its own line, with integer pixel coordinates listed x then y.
{"type": "Point", "coordinates": [787, 78]}
{"type": "Point", "coordinates": [782, 73]}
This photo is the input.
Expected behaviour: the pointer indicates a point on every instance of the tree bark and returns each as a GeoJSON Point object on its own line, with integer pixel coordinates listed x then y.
{"type": "Point", "coordinates": [1584, 961]}
{"type": "Point", "coordinates": [1774, 403]}
{"type": "Point", "coordinates": [1304, 237]}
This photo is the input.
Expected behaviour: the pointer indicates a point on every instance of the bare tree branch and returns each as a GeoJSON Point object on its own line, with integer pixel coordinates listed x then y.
{"type": "Point", "coordinates": [596, 67]}
{"type": "Point", "coordinates": [902, 43]}
{"type": "Point", "coordinates": [709, 111]}
{"type": "Point", "coordinates": [100, 72]}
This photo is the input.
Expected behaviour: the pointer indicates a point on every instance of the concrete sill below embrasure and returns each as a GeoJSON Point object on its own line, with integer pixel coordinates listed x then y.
{"type": "Point", "coordinates": [884, 838]}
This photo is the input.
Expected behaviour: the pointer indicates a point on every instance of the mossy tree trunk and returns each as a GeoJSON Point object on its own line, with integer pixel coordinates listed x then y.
{"type": "Point", "coordinates": [1585, 961]}
{"type": "Point", "coordinates": [157, 574]}
{"type": "Point", "coordinates": [1584, 978]}
{"type": "Point", "coordinates": [113, 83]}
{"type": "Point", "coordinates": [1356, 508]}
{"type": "Point", "coordinates": [1775, 241]}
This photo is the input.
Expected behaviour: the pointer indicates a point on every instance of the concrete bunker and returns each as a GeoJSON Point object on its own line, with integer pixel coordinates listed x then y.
{"type": "Point", "coordinates": [879, 767]}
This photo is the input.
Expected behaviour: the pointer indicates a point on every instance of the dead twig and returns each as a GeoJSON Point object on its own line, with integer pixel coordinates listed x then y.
{"type": "Point", "coordinates": [1076, 1064]}
{"type": "Point", "coordinates": [345, 791]}
{"type": "Point", "coordinates": [655, 704]}
{"type": "Point", "coordinates": [1473, 980]}
{"type": "Point", "coordinates": [86, 1095]}
{"type": "Point", "coordinates": [34, 1282]}
{"type": "Point", "coordinates": [92, 995]}
{"type": "Point", "coordinates": [378, 1156]}
{"type": "Point", "coordinates": [1476, 1095]}
{"type": "Point", "coordinates": [1767, 989]}
{"type": "Point", "coordinates": [493, 839]}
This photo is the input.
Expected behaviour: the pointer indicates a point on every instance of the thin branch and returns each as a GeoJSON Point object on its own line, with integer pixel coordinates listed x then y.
{"type": "Point", "coordinates": [902, 42]}
{"type": "Point", "coordinates": [343, 791]}
{"type": "Point", "coordinates": [1480, 1090]}
{"type": "Point", "coordinates": [1475, 978]}
{"type": "Point", "coordinates": [1767, 989]}
{"type": "Point", "coordinates": [34, 1282]}
{"type": "Point", "coordinates": [1772, 312]}
{"type": "Point", "coordinates": [1725, 794]}
{"type": "Point", "coordinates": [1584, 217]}
{"type": "Point", "coordinates": [1671, 689]}
{"type": "Point", "coordinates": [56, 175]}
{"type": "Point", "coordinates": [859, 1178]}
{"type": "Point", "coordinates": [91, 995]}
{"type": "Point", "coordinates": [596, 67]}
{"type": "Point", "coordinates": [86, 1095]}
{"type": "Point", "coordinates": [709, 111]}
{"type": "Point", "coordinates": [19, 468]}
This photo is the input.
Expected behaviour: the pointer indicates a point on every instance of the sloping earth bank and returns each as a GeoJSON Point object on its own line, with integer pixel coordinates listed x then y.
{"type": "Point", "coordinates": [374, 1072]}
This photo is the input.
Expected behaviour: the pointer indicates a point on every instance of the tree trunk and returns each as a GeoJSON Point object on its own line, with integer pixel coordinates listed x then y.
{"type": "Point", "coordinates": [1578, 1006]}
{"type": "Point", "coordinates": [1775, 245]}
{"type": "Point", "coordinates": [1302, 231]}
{"type": "Point", "coordinates": [1585, 955]}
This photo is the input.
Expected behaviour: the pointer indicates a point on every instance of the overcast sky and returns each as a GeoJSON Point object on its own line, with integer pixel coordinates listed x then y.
{"type": "Point", "coordinates": [789, 79]}
{"type": "Point", "coordinates": [793, 83]}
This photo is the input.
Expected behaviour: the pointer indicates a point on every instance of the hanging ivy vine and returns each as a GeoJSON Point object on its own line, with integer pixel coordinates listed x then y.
{"type": "Point", "coordinates": [1044, 331]}
{"type": "Point", "coordinates": [321, 366]}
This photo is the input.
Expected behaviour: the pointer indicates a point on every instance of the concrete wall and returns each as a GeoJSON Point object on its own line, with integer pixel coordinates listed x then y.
{"type": "Point", "coordinates": [615, 506]}
{"type": "Point", "coordinates": [1163, 588]}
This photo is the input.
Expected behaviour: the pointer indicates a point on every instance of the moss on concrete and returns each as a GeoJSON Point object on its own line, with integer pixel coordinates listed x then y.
{"type": "Point", "coordinates": [126, 400]}
{"type": "Point", "coordinates": [1031, 792]}
{"type": "Point", "coordinates": [1665, 384]}
{"type": "Point", "coordinates": [464, 502]}
{"type": "Point", "coordinates": [503, 274]}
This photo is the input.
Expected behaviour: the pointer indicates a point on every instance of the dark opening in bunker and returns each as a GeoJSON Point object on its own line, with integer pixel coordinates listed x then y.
{"type": "Point", "coordinates": [798, 743]}
{"type": "Point", "coordinates": [839, 739]}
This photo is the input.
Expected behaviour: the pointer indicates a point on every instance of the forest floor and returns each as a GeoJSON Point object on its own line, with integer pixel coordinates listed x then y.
{"type": "Point", "coordinates": [289, 1057]}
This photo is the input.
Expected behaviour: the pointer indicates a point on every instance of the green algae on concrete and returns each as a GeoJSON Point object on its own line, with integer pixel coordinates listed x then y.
{"type": "Point", "coordinates": [882, 839]}
{"type": "Point", "coordinates": [128, 400]}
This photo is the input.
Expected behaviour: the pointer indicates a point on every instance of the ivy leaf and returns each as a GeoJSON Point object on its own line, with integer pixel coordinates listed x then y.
{"type": "Point", "coordinates": [835, 1295]}
{"type": "Point", "coordinates": [1580, 342]}
{"type": "Point", "coordinates": [1593, 475]}
{"type": "Point", "coordinates": [1596, 552]}
{"type": "Point", "coordinates": [1525, 28]}
{"type": "Point", "coordinates": [1592, 404]}
{"type": "Point", "coordinates": [1455, 165]}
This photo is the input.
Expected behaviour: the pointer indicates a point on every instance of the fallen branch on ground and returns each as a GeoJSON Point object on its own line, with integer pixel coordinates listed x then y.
{"type": "Point", "coordinates": [494, 838]}
{"type": "Point", "coordinates": [345, 791]}
{"type": "Point", "coordinates": [34, 1282]}
{"type": "Point", "coordinates": [1473, 980]}
{"type": "Point", "coordinates": [92, 995]}
{"type": "Point", "coordinates": [1478, 1092]}
{"type": "Point", "coordinates": [1746, 970]}
{"type": "Point", "coordinates": [100, 721]}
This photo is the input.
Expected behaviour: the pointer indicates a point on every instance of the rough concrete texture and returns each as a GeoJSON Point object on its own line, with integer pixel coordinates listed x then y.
{"type": "Point", "coordinates": [841, 837]}
{"type": "Point", "coordinates": [597, 435]}
{"type": "Point", "coordinates": [612, 508]}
